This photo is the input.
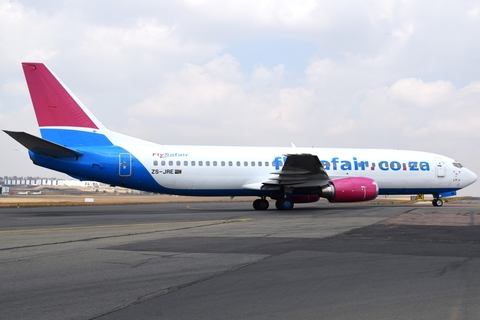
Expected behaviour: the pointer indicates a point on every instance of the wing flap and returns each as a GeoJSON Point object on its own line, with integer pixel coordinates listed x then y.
{"type": "Point", "coordinates": [300, 170]}
{"type": "Point", "coordinates": [259, 186]}
{"type": "Point", "coordinates": [43, 147]}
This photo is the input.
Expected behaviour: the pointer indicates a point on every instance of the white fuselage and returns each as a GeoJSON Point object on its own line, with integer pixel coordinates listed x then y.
{"type": "Point", "coordinates": [237, 168]}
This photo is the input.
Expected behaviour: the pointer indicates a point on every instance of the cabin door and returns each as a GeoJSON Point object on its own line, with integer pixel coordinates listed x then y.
{"type": "Point", "coordinates": [124, 164]}
{"type": "Point", "coordinates": [440, 168]}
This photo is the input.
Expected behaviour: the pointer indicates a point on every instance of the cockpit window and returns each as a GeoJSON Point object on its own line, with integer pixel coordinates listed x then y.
{"type": "Point", "coordinates": [457, 164]}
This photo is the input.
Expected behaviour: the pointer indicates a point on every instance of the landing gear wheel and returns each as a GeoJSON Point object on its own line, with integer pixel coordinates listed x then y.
{"type": "Point", "coordinates": [263, 204]}
{"type": "Point", "coordinates": [437, 202]}
{"type": "Point", "coordinates": [284, 204]}
{"type": "Point", "coordinates": [260, 204]}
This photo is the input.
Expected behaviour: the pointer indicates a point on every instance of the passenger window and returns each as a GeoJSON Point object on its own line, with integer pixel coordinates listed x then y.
{"type": "Point", "coordinates": [193, 163]}
{"type": "Point", "coordinates": [179, 163]}
{"type": "Point", "coordinates": [245, 163]}
{"type": "Point", "coordinates": [230, 163]}
{"type": "Point", "coordinates": [200, 163]}
{"type": "Point", "coordinates": [207, 163]}
{"type": "Point", "coordinates": [155, 163]}
{"type": "Point", "coordinates": [170, 163]}
{"type": "Point", "coordinates": [214, 163]}
{"type": "Point", "coordinates": [259, 163]}
{"type": "Point", "coordinates": [266, 163]}
{"type": "Point", "coordinates": [185, 163]}
{"type": "Point", "coordinates": [238, 163]}
{"type": "Point", "coordinates": [163, 163]}
{"type": "Point", "coordinates": [253, 163]}
{"type": "Point", "coordinates": [222, 163]}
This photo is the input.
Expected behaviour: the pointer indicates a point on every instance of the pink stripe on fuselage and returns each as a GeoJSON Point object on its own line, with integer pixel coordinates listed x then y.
{"type": "Point", "coordinates": [52, 103]}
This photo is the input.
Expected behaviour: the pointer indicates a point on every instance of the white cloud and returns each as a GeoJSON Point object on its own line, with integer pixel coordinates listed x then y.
{"type": "Point", "coordinates": [419, 94]}
{"type": "Point", "coordinates": [196, 91]}
{"type": "Point", "coordinates": [217, 95]}
{"type": "Point", "coordinates": [15, 88]}
{"type": "Point", "coordinates": [270, 12]}
{"type": "Point", "coordinates": [415, 112]}
{"type": "Point", "coordinates": [147, 40]}
{"type": "Point", "coordinates": [26, 34]}
{"type": "Point", "coordinates": [474, 12]}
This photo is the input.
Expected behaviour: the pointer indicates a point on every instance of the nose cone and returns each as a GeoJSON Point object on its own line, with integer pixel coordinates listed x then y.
{"type": "Point", "coordinates": [468, 177]}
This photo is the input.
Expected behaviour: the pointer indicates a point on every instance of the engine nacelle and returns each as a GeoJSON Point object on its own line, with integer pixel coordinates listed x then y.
{"type": "Point", "coordinates": [350, 190]}
{"type": "Point", "coordinates": [305, 198]}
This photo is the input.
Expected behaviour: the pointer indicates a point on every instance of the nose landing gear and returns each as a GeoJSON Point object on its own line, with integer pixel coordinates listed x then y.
{"type": "Point", "coordinates": [437, 202]}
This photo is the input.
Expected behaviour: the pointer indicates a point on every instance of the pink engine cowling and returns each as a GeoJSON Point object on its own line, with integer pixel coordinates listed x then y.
{"type": "Point", "coordinates": [350, 190]}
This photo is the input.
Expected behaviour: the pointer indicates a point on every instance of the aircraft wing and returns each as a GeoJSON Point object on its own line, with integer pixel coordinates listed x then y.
{"type": "Point", "coordinates": [299, 171]}
{"type": "Point", "coordinates": [41, 146]}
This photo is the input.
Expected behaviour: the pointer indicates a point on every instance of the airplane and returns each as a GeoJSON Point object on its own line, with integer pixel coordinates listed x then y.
{"type": "Point", "coordinates": [23, 193]}
{"type": "Point", "coordinates": [36, 193]}
{"type": "Point", "coordinates": [75, 142]}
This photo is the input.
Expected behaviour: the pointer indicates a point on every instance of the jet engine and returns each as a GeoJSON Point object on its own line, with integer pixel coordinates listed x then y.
{"type": "Point", "coordinates": [350, 190]}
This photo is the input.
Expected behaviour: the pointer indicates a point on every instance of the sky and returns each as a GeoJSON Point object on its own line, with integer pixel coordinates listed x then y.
{"type": "Point", "coordinates": [360, 74]}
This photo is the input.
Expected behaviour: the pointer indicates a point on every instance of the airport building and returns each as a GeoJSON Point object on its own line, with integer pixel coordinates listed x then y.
{"type": "Point", "coordinates": [14, 184]}
{"type": "Point", "coordinates": [36, 181]}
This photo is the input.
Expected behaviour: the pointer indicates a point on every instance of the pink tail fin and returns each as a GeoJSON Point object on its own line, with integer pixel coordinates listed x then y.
{"type": "Point", "coordinates": [53, 103]}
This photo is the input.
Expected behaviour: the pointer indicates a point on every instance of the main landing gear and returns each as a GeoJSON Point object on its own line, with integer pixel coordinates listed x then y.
{"type": "Point", "coordinates": [280, 204]}
{"type": "Point", "coordinates": [284, 204]}
{"type": "Point", "coordinates": [260, 204]}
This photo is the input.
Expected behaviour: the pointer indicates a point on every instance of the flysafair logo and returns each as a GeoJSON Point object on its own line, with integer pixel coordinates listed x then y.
{"type": "Point", "coordinates": [337, 164]}
{"type": "Point", "coordinates": [166, 154]}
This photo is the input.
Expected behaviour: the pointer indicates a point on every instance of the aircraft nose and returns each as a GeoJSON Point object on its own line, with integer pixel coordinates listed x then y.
{"type": "Point", "coordinates": [469, 177]}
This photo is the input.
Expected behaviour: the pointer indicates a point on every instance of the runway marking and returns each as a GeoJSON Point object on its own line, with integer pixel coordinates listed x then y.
{"type": "Point", "coordinates": [192, 208]}
{"type": "Point", "coordinates": [122, 225]}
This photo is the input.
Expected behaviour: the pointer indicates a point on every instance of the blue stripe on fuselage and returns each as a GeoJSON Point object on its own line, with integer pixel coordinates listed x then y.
{"type": "Point", "coordinates": [413, 191]}
{"type": "Point", "coordinates": [74, 138]}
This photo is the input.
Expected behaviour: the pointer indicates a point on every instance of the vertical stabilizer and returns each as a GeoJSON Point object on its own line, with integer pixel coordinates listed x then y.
{"type": "Point", "coordinates": [62, 118]}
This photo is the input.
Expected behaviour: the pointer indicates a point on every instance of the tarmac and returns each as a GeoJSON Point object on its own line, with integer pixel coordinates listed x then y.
{"type": "Point", "coordinates": [219, 260]}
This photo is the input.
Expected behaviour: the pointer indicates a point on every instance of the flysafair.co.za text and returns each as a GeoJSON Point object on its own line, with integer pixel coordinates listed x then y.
{"type": "Point", "coordinates": [336, 164]}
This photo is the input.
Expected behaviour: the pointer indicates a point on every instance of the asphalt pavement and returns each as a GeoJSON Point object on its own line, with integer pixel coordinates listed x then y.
{"type": "Point", "coordinates": [227, 261]}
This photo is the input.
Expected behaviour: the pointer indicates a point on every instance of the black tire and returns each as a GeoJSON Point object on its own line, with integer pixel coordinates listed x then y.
{"type": "Point", "coordinates": [284, 204]}
{"type": "Point", "coordinates": [278, 204]}
{"type": "Point", "coordinates": [256, 204]}
{"type": "Point", "coordinates": [263, 204]}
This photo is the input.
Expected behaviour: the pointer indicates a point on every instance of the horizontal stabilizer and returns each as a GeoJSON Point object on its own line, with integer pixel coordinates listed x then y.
{"type": "Point", "coordinates": [43, 147]}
